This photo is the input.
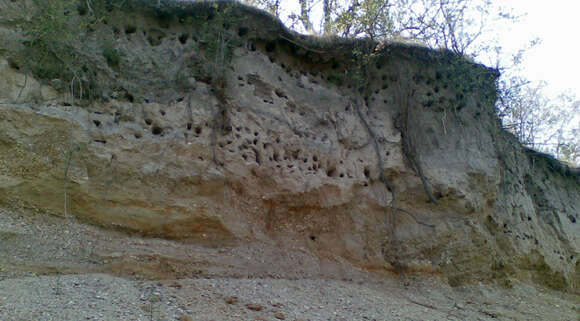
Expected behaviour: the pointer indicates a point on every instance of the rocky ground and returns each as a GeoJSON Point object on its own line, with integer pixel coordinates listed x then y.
{"type": "Point", "coordinates": [52, 268]}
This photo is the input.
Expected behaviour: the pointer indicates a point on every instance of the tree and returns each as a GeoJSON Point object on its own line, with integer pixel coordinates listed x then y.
{"type": "Point", "coordinates": [462, 26]}
{"type": "Point", "coordinates": [541, 123]}
{"type": "Point", "coordinates": [561, 129]}
{"type": "Point", "coordinates": [272, 6]}
{"type": "Point", "coordinates": [452, 24]}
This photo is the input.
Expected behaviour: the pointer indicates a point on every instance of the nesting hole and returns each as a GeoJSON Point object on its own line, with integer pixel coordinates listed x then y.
{"type": "Point", "coordinates": [242, 31]}
{"type": "Point", "coordinates": [183, 38]}
{"type": "Point", "coordinates": [331, 172]}
{"type": "Point", "coordinates": [157, 130]}
{"type": "Point", "coordinates": [13, 64]}
{"type": "Point", "coordinates": [130, 29]}
{"type": "Point", "coordinates": [130, 97]}
{"type": "Point", "coordinates": [270, 46]}
{"type": "Point", "coordinates": [82, 10]}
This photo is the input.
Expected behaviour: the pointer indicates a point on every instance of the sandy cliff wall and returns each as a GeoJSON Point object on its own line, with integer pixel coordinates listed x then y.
{"type": "Point", "coordinates": [217, 125]}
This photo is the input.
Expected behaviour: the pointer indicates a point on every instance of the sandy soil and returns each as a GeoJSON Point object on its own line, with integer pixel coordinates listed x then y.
{"type": "Point", "coordinates": [53, 268]}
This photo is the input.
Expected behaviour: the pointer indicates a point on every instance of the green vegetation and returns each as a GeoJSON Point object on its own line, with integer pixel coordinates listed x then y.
{"type": "Point", "coordinates": [214, 24]}
{"type": "Point", "coordinates": [463, 27]}
{"type": "Point", "coordinates": [73, 45]}
{"type": "Point", "coordinates": [112, 55]}
{"type": "Point", "coordinates": [50, 47]}
{"type": "Point", "coordinates": [54, 31]}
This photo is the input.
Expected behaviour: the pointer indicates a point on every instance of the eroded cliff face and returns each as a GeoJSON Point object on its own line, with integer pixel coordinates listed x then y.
{"type": "Point", "coordinates": [400, 167]}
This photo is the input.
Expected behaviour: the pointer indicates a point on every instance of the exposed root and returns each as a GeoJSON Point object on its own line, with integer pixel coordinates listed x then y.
{"type": "Point", "coordinates": [373, 136]}
{"type": "Point", "coordinates": [409, 148]}
{"type": "Point", "coordinates": [23, 86]}
{"type": "Point", "coordinates": [381, 166]}
{"type": "Point", "coordinates": [221, 121]}
{"type": "Point", "coordinates": [413, 217]}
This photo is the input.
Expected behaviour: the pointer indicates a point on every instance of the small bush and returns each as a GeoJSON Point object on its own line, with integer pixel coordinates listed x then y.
{"type": "Point", "coordinates": [53, 33]}
{"type": "Point", "coordinates": [111, 54]}
{"type": "Point", "coordinates": [49, 45]}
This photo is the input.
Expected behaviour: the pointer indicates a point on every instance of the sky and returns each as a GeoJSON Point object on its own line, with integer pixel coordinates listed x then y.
{"type": "Point", "coordinates": [556, 58]}
{"type": "Point", "coordinates": [553, 60]}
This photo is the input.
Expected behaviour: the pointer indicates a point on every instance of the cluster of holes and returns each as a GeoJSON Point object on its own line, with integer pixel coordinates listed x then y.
{"type": "Point", "coordinates": [438, 87]}
{"type": "Point", "coordinates": [156, 129]}
{"type": "Point", "coordinates": [251, 146]}
{"type": "Point", "coordinates": [525, 236]}
{"type": "Point", "coordinates": [379, 84]}
{"type": "Point", "coordinates": [270, 47]}
{"type": "Point", "coordinates": [156, 36]}
{"type": "Point", "coordinates": [313, 77]}
{"type": "Point", "coordinates": [197, 130]}
{"type": "Point", "coordinates": [251, 150]}
{"type": "Point", "coordinates": [563, 256]}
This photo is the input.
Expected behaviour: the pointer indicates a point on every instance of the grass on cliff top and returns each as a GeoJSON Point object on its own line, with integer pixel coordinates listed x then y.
{"type": "Point", "coordinates": [553, 164]}
{"type": "Point", "coordinates": [57, 29]}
